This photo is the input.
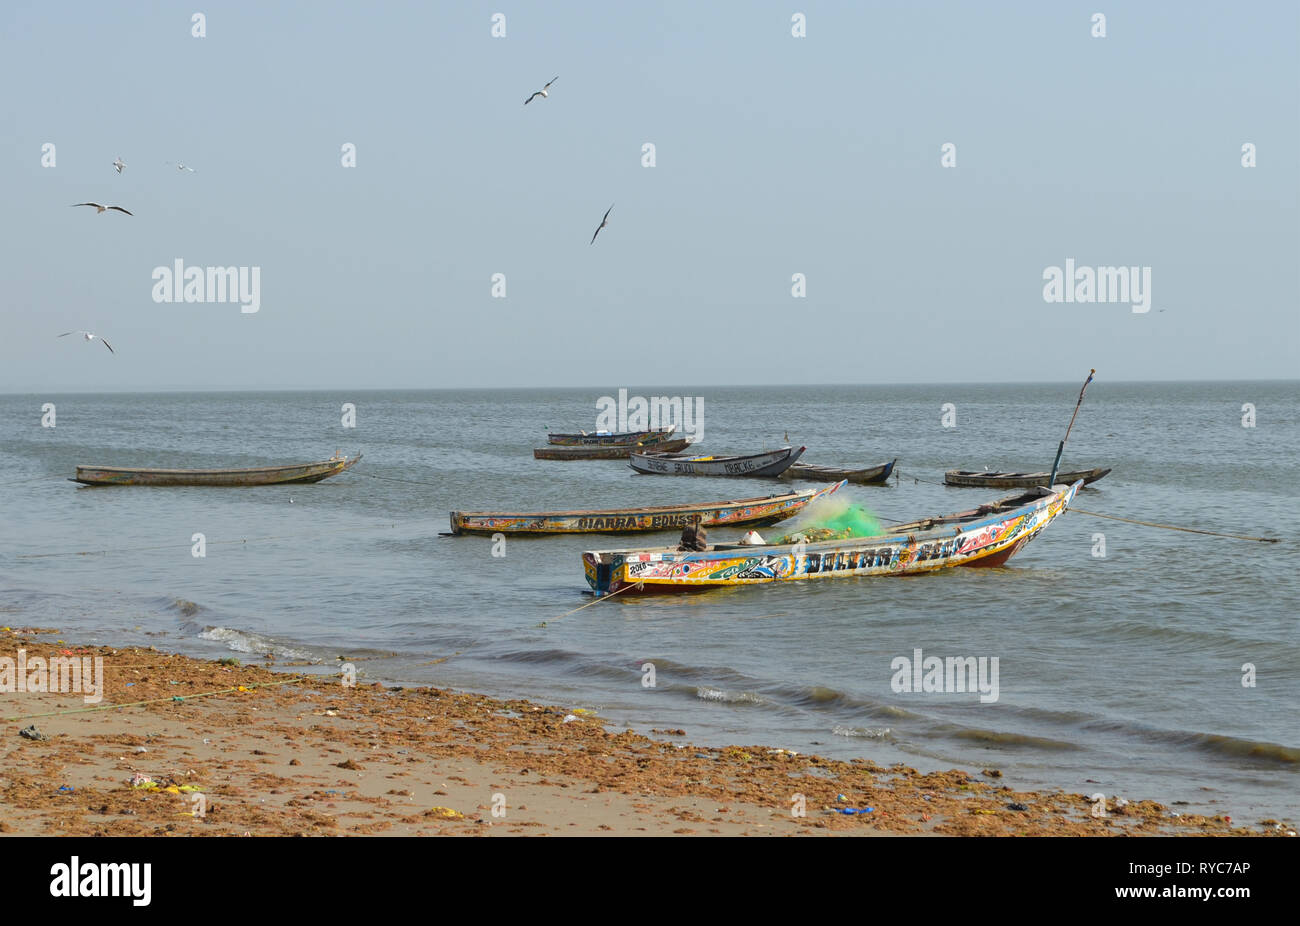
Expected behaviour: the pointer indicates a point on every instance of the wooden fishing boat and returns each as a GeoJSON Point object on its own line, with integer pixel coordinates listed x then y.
{"type": "Point", "coordinates": [610, 439]}
{"type": "Point", "coordinates": [815, 473]}
{"type": "Point", "coordinates": [1000, 480]}
{"type": "Point", "coordinates": [607, 453]}
{"type": "Point", "coordinates": [985, 536]}
{"type": "Point", "coordinates": [251, 476]}
{"type": "Point", "coordinates": [750, 511]}
{"type": "Point", "coordinates": [767, 463]}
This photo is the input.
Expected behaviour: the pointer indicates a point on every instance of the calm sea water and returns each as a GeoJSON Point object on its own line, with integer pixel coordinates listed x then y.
{"type": "Point", "coordinates": [1120, 674]}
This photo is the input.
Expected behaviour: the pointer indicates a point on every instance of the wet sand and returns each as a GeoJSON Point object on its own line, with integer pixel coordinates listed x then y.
{"type": "Point", "coordinates": [242, 750]}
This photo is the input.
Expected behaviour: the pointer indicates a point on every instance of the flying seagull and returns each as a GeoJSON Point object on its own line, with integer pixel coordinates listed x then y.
{"type": "Point", "coordinates": [542, 92]}
{"type": "Point", "coordinates": [118, 165]}
{"type": "Point", "coordinates": [180, 166]}
{"type": "Point", "coordinates": [603, 223]}
{"type": "Point", "coordinates": [100, 208]}
{"type": "Point", "coordinates": [89, 337]}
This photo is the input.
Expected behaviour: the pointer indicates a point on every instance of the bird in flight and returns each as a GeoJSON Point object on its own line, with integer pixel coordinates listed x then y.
{"type": "Point", "coordinates": [542, 92]}
{"type": "Point", "coordinates": [99, 208]}
{"type": "Point", "coordinates": [118, 165]}
{"type": "Point", "coordinates": [180, 166]}
{"type": "Point", "coordinates": [603, 222]}
{"type": "Point", "coordinates": [89, 337]}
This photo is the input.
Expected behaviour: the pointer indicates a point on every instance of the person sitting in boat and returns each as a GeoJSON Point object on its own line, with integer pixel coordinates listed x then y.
{"type": "Point", "coordinates": [694, 537]}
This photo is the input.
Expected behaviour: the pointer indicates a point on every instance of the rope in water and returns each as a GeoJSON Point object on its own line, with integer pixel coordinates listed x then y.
{"type": "Point", "coordinates": [1113, 517]}
{"type": "Point", "coordinates": [202, 694]}
{"type": "Point", "coordinates": [590, 603]}
{"type": "Point", "coordinates": [1172, 527]}
{"type": "Point", "coordinates": [915, 478]}
{"type": "Point", "coordinates": [393, 479]}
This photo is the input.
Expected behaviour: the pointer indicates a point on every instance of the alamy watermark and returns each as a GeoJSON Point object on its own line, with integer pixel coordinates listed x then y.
{"type": "Point", "coordinates": [637, 413]}
{"type": "Point", "coordinates": [954, 675]}
{"type": "Point", "coordinates": [1099, 284]}
{"type": "Point", "coordinates": [179, 283]}
{"type": "Point", "coordinates": [81, 675]}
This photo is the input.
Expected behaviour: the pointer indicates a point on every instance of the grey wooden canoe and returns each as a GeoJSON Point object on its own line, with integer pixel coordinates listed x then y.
{"type": "Point", "coordinates": [618, 452]}
{"type": "Point", "coordinates": [608, 439]}
{"type": "Point", "coordinates": [814, 473]}
{"type": "Point", "coordinates": [250, 476]}
{"type": "Point", "coordinates": [1000, 480]}
{"type": "Point", "coordinates": [767, 463]}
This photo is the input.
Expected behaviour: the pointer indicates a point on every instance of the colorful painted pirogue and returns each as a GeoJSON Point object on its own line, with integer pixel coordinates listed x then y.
{"type": "Point", "coordinates": [610, 439]}
{"type": "Point", "coordinates": [620, 452]}
{"type": "Point", "coordinates": [663, 463]}
{"type": "Point", "coordinates": [251, 476]}
{"type": "Point", "coordinates": [752, 511]}
{"type": "Point", "coordinates": [971, 478]}
{"type": "Point", "coordinates": [986, 536]}
{"type": "Point", "coordinates": [814, 473]}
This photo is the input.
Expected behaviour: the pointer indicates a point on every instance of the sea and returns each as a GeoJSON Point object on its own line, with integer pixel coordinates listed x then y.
{"type": "Point", "coordinates": [1133, 661]}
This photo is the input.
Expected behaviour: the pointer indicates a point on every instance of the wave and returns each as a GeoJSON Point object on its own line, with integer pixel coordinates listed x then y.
{"type": "Point", "coordinates": [255, 644]}
{"type": "Point", "coordinates": [729, 697]}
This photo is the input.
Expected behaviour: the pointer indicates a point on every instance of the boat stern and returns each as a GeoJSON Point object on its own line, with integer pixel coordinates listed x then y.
{"type": "Point", "coordinates": [600, 570]}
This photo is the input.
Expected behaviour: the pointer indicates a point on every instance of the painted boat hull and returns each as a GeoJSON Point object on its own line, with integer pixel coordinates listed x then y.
{"type": "Point", "coordinates": [768, 463]}
{"type": "Point", "coordinates": [745, 511]}
{"type": "Point", "coordinates": [871, 476]}
{"type": "Point", "coordinates": [986, 536]}
{"type": "Point", "coordinates": [999, 480]}
{"type": "Point", "coordinates": [251, 476]}
{"type": "Point", "coordinates": [620, 439]}
{"type": "Point", "coordinates": [606, 453]}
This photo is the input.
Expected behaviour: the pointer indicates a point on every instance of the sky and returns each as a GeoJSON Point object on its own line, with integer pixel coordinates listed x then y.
{"type": "Point", "coordinates": [774, 155]}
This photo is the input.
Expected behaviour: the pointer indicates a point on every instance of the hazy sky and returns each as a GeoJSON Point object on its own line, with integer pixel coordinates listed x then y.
{"type": "Point", "coordinates": [775, 155]}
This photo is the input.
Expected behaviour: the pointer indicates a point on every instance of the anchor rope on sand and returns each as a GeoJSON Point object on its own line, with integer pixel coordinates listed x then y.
{"type": "Point", "coordinates": [201, 694]}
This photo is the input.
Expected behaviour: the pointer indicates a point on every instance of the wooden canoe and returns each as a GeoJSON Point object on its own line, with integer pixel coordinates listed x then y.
{"type": "Point", "coordinates": [1000, 480]}
{"type": "Point", "coordinates": [815, 473]}
{"type": "Point", "coordinates": [985, 536]}
{"type": "Point", "coordinates": [251, 476]}
{"type": "Point", "coordinates": [608, 439]}
{"type": "Point", "coordinates": [606, 453]}
{"type": "Point", "coordinates": [767, 463]}
{"type": "Point", "coordinates": [768, 510]}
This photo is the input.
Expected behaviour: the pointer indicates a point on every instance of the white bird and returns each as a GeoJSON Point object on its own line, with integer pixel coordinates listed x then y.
{"type": "Point", "coordinates": [542, 92]}
{"type": "Point", "coordinates": [89, 337]}
{"type": "Point", "coordinates": [118, 165]}
{"type": "Point", "coordinates": [603, 223]}
{"type": "Point", "coordinates": [100, 208]}
{"type": "Point", "coordinates": [180, 166]}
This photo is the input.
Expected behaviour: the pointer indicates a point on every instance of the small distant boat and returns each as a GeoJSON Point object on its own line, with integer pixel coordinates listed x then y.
{"type": "Point", "coordinates": [999, 480]}
{"type": "Point", "coordinates": [815, 473]}
{"type": "Point", "coordinates": [985, 536]}
{"type": "Point", "coordinates": [609, 438]}
{"type": "Point", "coordinates": [251, 476]}
{"type": "Point", "coordinates": [769, 510]}
{"type": "Point", "coordinates": [767, 463]}
{"type": "Point", "coordinates": [619, 452]}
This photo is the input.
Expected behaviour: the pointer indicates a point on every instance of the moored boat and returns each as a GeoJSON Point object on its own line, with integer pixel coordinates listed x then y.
{"type": "Point", "coordinates": [999, 480]}
{"type": "Point", "coordinates": [767, 463]}
{"type": "Point", "coordinates": [610, 439]}
{"type": "Point", "coordinates": [248, 476]}
{"type": "Point", "coordinates": [748, 511]}
{"type": "Point", "coordinates": [985, 536]}
{"type": "Point", "coordinates": [813, 472]}
{"type": "Point", "coordinates": [620, 452]}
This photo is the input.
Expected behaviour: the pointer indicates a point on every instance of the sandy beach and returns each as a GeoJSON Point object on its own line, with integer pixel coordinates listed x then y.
{"type": "Point", "coordinates": [180, 746]}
